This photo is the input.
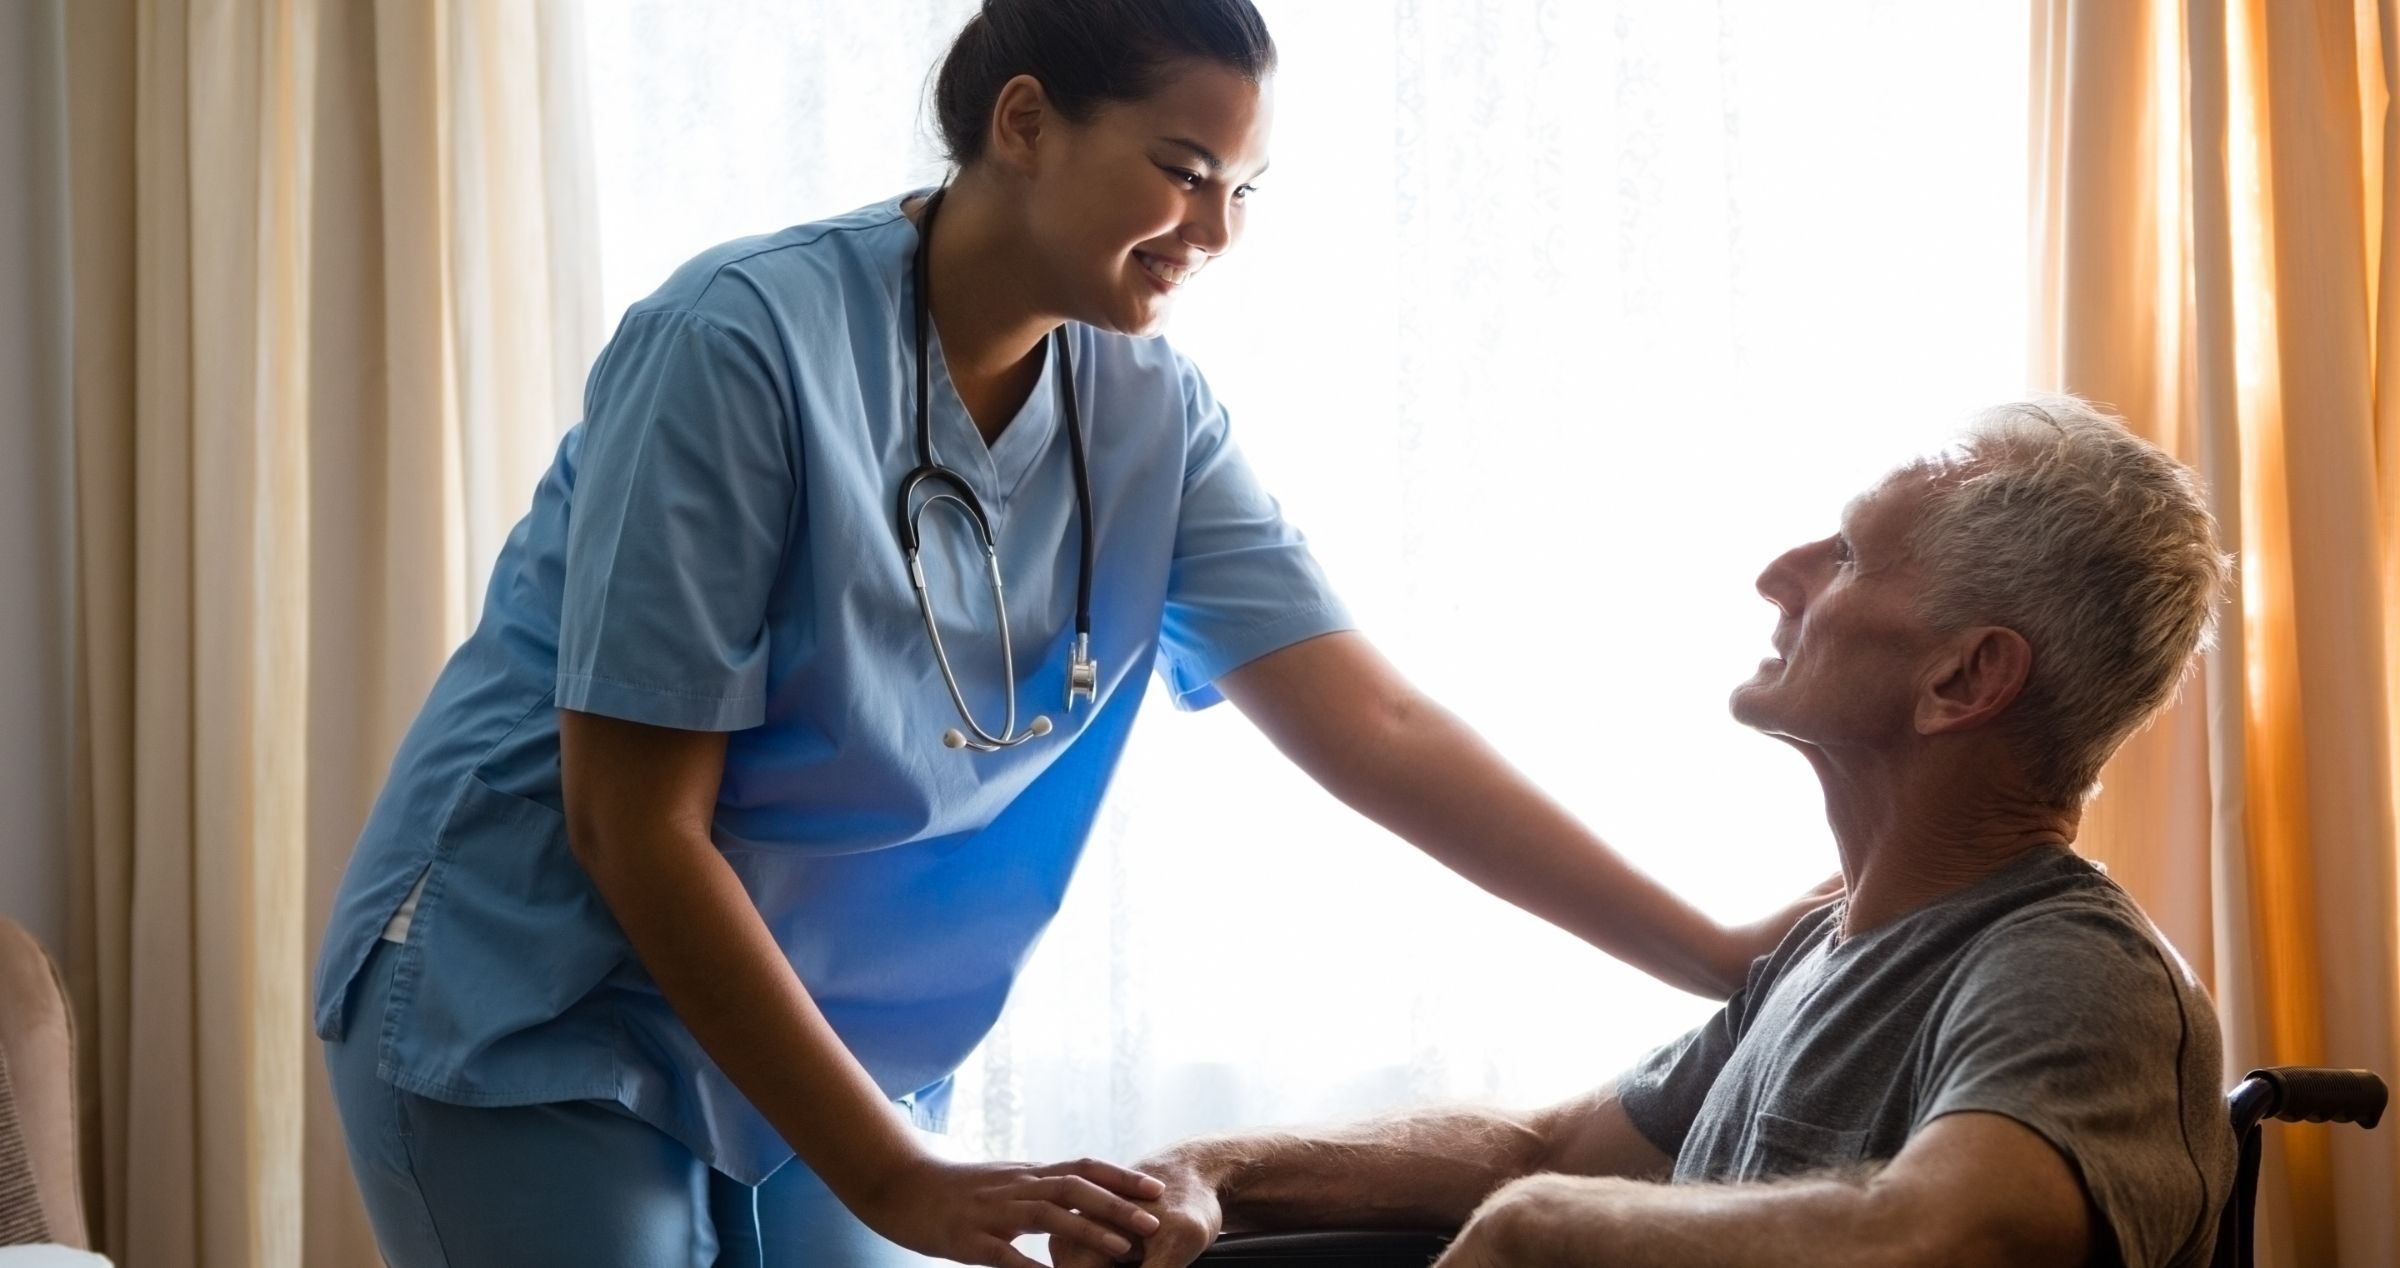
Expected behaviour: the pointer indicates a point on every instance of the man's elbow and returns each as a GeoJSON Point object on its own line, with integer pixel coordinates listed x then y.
{"type": "Point", "coordinates": [1910, 1229]}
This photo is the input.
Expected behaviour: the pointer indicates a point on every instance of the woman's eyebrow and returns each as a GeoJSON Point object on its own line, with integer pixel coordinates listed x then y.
{"type": "Point", "coordinates": [1208, 157]}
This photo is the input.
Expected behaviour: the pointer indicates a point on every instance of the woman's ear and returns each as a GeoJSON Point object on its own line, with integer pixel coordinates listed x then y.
{"type": "Point", "coordinates": [1983, 671]}
{"type": "Point", "coordinates": [1020, 115]}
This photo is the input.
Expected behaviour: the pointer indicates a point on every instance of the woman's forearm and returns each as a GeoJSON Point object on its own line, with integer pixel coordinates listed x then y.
{"type": "Point", "coordinates": [1343, 714]}
{"type": "Point", "coordinates": [1435, 783]}
{"type": "Point", "coordinates": [697, 933]}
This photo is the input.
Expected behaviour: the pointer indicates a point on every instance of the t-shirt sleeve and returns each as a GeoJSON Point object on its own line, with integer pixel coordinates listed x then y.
{"type": "Point", "coordinates": [1242, 582]}
{"type": "Point", "coordinates": [2109, 1064]}
{"type": "Point", "coordinates": [682, 504]}
{"type": "Point", "coordinates": [1662, 1093]}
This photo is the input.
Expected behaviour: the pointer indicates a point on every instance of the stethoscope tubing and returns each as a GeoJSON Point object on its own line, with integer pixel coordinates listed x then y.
{"type": "Point", "coordinates": [1082, 673]}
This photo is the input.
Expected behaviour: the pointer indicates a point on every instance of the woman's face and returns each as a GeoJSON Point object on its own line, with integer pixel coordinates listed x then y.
{"type": "Point", "coordinates": [1129, 207]}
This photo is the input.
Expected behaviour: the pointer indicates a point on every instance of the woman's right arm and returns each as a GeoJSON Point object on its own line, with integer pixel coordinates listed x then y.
{"type": "Point", "coordinates": [639, 803]}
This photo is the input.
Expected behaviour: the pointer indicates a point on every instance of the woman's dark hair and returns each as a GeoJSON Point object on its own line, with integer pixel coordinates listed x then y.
{"type": "Point", "coordinates": [1086, 53]}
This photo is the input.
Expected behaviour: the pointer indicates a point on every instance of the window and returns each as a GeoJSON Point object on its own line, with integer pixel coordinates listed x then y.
{"type": "Point", "coordinates": [1554, 324]}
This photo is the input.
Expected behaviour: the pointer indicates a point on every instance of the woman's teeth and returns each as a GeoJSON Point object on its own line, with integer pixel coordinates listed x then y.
{"type": "Point", "coordinates": [1171, 274]}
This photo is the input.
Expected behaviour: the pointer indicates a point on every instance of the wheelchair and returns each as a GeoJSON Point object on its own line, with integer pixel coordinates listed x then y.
{"type": "Point", "coordinates": [2289, 1093]}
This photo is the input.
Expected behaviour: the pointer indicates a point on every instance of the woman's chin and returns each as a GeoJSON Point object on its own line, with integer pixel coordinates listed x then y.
{"type": "Point", "coordinates": [1140, 319]}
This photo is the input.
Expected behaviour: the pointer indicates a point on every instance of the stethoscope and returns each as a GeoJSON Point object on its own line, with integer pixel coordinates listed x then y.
{"type": "Point", "coordinates": [1083, 674]}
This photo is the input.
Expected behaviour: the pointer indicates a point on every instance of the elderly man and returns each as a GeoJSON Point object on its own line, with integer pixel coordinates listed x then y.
{"type": "Point", "coordinates": [1985, 1054]}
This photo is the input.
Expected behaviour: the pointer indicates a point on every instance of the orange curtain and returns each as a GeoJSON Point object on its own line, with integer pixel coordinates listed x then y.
{"type": "Point", "coordinates": [2214, 204]}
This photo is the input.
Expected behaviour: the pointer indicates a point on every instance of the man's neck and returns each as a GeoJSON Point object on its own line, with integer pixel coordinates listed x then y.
{"type": "Point", "coordinates": [984, 305]}
{"type": "Point", "coordinates": [1911, 836]}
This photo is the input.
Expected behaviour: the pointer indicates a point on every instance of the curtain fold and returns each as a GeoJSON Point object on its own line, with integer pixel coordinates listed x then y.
{"type": "Point", "coordinates": [322, 298]}
{"type": "Point", "coordinates": [2214, 226]}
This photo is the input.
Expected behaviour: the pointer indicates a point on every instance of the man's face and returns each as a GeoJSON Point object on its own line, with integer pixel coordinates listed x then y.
{"type": "Point", "coordinates": [1849, 649]}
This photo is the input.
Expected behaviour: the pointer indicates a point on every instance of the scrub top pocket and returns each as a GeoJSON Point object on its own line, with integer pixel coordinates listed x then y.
{"type": "Point", "coordinates": [524, 910]}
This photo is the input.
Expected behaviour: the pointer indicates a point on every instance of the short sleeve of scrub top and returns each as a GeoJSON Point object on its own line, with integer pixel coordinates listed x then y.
{"type": "Point", "coordinates": [678, 529]}
{"type": "Point", "coordinates": [1243, 582]}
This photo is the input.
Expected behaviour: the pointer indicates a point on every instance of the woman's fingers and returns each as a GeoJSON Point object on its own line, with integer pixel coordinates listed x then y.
{"type": "Point", "coordinates": [1062, 1224]}
{"type": "Point", "coordinates": [1108, 1175]}
{"type": "Point", "coordinates": [1079, 1194]}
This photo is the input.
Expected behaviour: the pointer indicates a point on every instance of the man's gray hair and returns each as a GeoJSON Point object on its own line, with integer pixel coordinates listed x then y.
{"type": "Point", "coordinates": [2051, 518]}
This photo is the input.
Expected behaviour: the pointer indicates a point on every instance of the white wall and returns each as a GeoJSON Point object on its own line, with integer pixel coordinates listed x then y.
{"type": "Point", "coordinates": [35, 488]}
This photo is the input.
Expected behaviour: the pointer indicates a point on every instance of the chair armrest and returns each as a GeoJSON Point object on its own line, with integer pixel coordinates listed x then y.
{"type": "Point", "coordinates": [1339, 1248]}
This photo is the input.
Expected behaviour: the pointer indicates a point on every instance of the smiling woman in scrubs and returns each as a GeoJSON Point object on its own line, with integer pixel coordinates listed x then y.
{"type": "Point", "coordinates": [675, 876]}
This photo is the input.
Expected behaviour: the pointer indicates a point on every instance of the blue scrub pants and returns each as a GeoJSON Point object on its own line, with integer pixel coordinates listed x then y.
{"type": "Point", "coordinates": [578, 1183]}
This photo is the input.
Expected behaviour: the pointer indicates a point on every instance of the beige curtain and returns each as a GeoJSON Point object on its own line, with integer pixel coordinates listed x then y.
{"type": "Point", "coordinates": [331, 279]}
{"type": "Point", "coordinates": [2216, 232]}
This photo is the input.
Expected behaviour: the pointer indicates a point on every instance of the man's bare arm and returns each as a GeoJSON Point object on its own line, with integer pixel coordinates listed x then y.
{"type": "Point", "coordinates": [1969, 1190]}
{"type": "Point", "coordinates": [1428, 1168]}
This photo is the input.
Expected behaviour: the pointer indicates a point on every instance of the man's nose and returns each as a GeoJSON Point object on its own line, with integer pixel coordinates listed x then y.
{"type": "Point", "coordinates": [1781, 585]}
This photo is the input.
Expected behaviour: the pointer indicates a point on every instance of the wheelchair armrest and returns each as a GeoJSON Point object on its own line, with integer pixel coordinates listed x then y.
{"type": "Point", "coordinates": [1340, 1248]}
{"type": "Point", "coordinates": [2296, 1093]}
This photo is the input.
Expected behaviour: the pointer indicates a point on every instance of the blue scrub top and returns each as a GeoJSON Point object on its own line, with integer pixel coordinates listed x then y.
{"type": "Point", "coordinates": [713, 549]}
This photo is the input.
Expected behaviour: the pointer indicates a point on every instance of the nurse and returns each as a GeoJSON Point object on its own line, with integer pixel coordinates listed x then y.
{"type": "Point", "coordinates": [702, 855]}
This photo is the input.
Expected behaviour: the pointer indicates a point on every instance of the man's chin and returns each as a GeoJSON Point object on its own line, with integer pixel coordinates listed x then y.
{"type": "Point", "coordinates": [1748, 703]}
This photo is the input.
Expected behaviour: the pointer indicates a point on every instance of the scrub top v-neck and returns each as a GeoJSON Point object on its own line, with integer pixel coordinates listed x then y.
{"type": "Point", "coordinates": [713, 549]}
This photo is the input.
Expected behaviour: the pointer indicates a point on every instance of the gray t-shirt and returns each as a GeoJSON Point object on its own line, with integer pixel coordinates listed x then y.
{"type": "Point", "coordinates": [2041, 993]}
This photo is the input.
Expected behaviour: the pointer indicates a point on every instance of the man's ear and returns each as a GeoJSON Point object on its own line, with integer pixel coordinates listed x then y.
{"type": "Point", "coordinates": [1981, 673]}
{"type": "Point", "coordinates": [1019, 114]}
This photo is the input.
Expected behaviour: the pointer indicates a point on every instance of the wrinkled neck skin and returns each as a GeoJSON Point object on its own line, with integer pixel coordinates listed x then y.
{"type": "Point", "coordinates": [1917, 824]}
{"type": "Point", "coordinates": [987, 298]}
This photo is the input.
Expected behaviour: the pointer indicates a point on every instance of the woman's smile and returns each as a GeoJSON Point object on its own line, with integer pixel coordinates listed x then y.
{"type": "Point", "coordinates": [1169, 274]}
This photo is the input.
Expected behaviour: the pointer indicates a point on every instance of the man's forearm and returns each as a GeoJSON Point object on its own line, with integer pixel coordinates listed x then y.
{"type": "Point", "coordinates": [1555, 1221]}
{"type": "Point", "coordinates": [1429, 1168]}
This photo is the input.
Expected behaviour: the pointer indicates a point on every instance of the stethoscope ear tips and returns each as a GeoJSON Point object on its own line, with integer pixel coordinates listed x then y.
{"type": "Point", "coordinates": [1040, 724]}
{"type": "Point", "coordinates": [954, 738]}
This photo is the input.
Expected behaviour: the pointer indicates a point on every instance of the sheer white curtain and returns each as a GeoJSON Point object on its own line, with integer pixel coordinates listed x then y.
{"type": "Point", "coordinates": [1556, 321]}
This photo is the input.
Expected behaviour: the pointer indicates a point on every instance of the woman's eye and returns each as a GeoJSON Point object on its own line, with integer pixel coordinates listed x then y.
{"type": "Point", "coordinates": [1242, 194]}
{"type": "Point", "coordinates": [1190, 178]}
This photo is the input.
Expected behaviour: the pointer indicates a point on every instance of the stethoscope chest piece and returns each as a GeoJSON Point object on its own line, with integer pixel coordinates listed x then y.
{"type": "Point", "coordinates": [1083, 673]}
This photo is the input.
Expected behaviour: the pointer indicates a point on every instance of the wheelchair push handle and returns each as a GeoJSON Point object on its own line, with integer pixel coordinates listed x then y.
{"type": "Point", "coordinates": [2316, 1095]}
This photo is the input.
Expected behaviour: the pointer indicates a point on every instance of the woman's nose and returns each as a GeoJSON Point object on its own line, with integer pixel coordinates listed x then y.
{"type": "Point", "coordinates": [1213, 226]}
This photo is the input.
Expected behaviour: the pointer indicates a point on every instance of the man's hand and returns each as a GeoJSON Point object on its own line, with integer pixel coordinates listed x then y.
{"type": "Point", "coordinates": [1496, 1234]}
{"type": "Point", "coordinates": [1189, 1219]}
{"type": "Point", "coordinates": [1477, 1246]}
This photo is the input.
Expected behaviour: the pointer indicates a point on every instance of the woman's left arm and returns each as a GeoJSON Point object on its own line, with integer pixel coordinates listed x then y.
{"type": "Point", "coordinates": [1342, 713]}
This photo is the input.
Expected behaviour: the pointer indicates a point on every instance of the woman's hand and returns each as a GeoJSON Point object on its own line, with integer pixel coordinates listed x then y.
{"type": "Point", "coordinates": [1742, 944]}
{"type": "Point", "coordinates": [1189, 1219]}
{"type": "Point", "coordinates": [971, 1211]}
